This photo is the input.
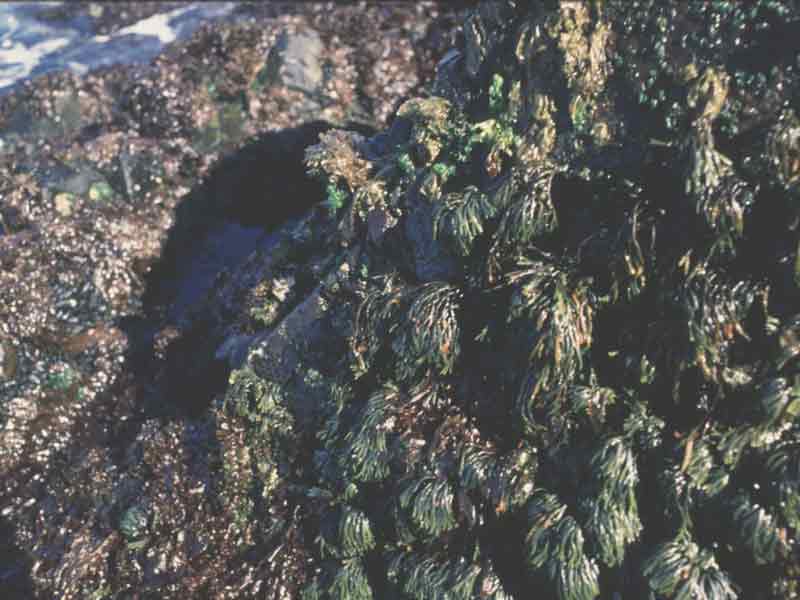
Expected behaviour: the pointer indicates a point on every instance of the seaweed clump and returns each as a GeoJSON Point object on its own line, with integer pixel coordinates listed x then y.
{"type": "Point", "coordinates": [554, 344]}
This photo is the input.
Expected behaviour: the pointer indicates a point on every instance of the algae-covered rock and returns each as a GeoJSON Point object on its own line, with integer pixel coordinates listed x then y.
{"type": "Point", "coordinates": [538, 337]}
{"type": "Point", "coordinates": [562, 357]}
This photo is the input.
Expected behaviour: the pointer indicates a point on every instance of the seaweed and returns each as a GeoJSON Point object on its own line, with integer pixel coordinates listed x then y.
{"type": "Point", "coordinates": [597, 391]}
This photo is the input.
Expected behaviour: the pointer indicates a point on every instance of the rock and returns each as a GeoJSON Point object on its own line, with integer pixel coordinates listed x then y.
{"type": "Point", "coordinates": [296, 61]}
{"type": "Point", "coordinates": [234, 350]}
{"type": "Point", "coordinates": [378, 223]}
{"type": "Point", "coordinates": [8, 359]}
{"type": "Point", "coordinates": [133, 145]}
{"type": "Point", "coordinates": [431, 261]}
{"type": "Point", "coordinates": [74, 179]}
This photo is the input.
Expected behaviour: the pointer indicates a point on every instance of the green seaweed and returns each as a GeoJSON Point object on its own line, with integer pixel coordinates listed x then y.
{"type": "Point", "coordinates": [596, 391]}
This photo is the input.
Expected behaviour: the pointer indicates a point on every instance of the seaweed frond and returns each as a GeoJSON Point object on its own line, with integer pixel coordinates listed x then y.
{"type": "Point", "coordinates": [681, 569]}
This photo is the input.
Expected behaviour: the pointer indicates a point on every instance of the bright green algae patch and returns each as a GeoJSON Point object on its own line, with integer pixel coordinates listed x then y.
{"type": "Point", "coordinates": [553, 344]}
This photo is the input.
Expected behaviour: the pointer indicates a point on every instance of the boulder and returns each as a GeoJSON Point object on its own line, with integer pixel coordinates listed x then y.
{"type": "Point", "coordinates": [107, 370]}
{"type": "Point", "coordinates": [296, 61]}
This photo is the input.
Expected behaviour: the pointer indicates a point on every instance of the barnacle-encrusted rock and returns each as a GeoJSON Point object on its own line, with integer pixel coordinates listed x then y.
{"type": "Point", "coordinates": [541, 335]}
{"type": "Point", "coordinates": [99, 499]}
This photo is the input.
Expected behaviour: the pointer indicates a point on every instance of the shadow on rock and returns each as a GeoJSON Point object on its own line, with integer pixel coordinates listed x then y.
{"type": "Point", "coordinates": [217, 226]}
{"type": "Point", "coordinates": [15, 566]}
{"type": "Point", "coordinates": [153, 432]}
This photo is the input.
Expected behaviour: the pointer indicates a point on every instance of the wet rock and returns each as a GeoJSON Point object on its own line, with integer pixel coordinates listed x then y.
{"type": "Point", "coordinates": [8, 359]}
{"type": "Point", "coordinates": [431, 261]}
{"type": "Point", "coordinates": [379, 222]}
{"type": "Point", "coordinates": [296, 62]}
{"type": "Point", "coordinates": [99, 171]}
{"type": "Point", "coordinates": [234, 350]}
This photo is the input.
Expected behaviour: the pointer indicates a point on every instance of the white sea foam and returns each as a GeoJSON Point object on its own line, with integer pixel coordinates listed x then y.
{"type": "Point", "coordinates": [30, 47]}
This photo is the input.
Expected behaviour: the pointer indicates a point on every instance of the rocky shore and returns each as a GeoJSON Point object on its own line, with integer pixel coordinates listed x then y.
{"type": "Point", "coordinates": [127, 196]}
{"type": "Point", "coordinates": [285, 315]}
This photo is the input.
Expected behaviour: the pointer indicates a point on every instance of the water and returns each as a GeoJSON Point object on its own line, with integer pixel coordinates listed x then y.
{"type": "Point", "coordinates": [31, 45]}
